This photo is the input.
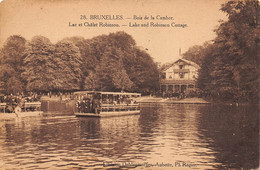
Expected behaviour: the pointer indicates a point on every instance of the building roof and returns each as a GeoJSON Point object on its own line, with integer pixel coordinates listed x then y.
{"type": "Point", "coordinates": [168, 65]}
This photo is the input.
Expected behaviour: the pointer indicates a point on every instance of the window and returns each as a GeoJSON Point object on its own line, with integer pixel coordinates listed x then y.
{"type": "Point", "coordinates": [163, 88]}
{"type": "Point", "coordinates": [181, 75]}
{"type": "Point", "coordinates": [170, 87]}
{"type": "Point", "coordinates": [177, 88]}
{"type": "Point", "coordinates": [170, 77]}
{"type": "Point", "coordinates": [191, 86]}
{"type": "Point", "coordinates": [163, 75]}
{"type": "Point", "coordinates": [180, 66]}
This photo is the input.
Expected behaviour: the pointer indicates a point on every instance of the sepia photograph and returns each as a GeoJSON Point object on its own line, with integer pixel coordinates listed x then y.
{"type": "Point", "coordinates": [141, 84]}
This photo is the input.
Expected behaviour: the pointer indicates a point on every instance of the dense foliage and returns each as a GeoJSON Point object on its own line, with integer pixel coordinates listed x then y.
{"type": "Point", "coordinates": [229, 66]}
{"type": "Point", "coordinates": [11, 59]}
{"type": "Point", "coordinates": [107, 62]}
{"type": "Point", "coordinates": [197, 53]}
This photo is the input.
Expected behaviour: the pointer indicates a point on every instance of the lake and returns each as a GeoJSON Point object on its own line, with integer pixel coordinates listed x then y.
{"type": "Point", "coordinates": [163, 136]}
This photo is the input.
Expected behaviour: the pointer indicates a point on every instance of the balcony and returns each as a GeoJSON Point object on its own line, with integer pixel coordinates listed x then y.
{"type": "Point", "coordinates": [168, 81]}
{"type": "Point", "coordinates": [181, 70]}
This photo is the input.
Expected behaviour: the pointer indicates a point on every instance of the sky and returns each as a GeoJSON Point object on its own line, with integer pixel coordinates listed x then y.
{"type": "Point", "coordinates": [54, 19]}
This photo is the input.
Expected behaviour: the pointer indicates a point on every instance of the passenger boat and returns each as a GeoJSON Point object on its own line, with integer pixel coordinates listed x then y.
{"type": "Point", "coordinates": [26, 109]}
{"type": "Point", "coordinates": [106, 104]}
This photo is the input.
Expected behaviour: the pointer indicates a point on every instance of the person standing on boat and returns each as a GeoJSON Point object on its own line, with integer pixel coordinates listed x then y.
{"type": "Point", "coordinates": [81, 106]}
{"type": "Point", "coordinates": [84, 106]}
{"type": "Point", "coordinates": [77, 106]}
{"type": "Point", "coordinates": [88, 105]}
{"type": "Point", "coordinates": [98, 106]}
{"type": "Point", "coordinates": [95, 106]}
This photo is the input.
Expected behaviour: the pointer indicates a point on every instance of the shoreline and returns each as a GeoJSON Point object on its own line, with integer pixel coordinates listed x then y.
{"type": "Point", "coordinates": [150, 99]}
{"type": "Point", "coordinates": [193, 100]}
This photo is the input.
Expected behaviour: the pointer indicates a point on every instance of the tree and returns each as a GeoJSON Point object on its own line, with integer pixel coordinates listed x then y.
{"type": "Point", "coordinates": [68, 74]}
{"type": "Point", "coordinates": [10, 79]}
{"type": "Point", "coordinates": [110, 73]}
{"type": "Point", "coordinates": [142, 71]}
{"type": "Point", "coordinates": [122, 66]}
{"type": "Point", "coordinates": [39, 65]}
{"type": "Point", "coordinates": [120, 79]}
{"type": "Point", "coordinates": [89, 60]}
{"type": "Point", "coordinates": [49, 67]}
{"type": "Point", "coordinates": [12, 55]}
{"type": "Point", "coordinates": [91, 82]}
{"type": "Point", "coordinates": [234, 70]}
{"type": "Point", "coordinates": [12, 51]}
{"type": "Point", "coordinates": [197, 53]}
{"type": "Point", "coordinates": [121, 41]}
{"type": "Point", "coordinates": [106, 62]}
{"type": "Point", "coordinates": [204, 81]}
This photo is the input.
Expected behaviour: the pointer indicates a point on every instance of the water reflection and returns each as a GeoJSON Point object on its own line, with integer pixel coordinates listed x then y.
{"type": "Point", "coordinates": [109, 137]}
{"type": "Point", "coordinates": [209, 137]}
{"type": "Point", "coordinates": [232, 132]}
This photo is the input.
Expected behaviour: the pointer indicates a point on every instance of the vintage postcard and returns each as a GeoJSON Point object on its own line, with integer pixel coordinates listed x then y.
{"type": "Point", "coordinates": [114, 84]}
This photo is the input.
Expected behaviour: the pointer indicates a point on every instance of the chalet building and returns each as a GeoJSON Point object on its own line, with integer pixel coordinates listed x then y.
{"type": "Point", "coordinates": [179, 77]}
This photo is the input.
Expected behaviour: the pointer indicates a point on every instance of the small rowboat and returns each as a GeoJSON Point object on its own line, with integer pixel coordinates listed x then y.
{"type": "Point", "coordinates": [29, 109]}
{"type": "Point", "coordinates": [19, 115]}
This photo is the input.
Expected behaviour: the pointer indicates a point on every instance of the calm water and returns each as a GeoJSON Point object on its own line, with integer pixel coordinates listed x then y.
{"type": "Point", "coordinates": [199, 136]}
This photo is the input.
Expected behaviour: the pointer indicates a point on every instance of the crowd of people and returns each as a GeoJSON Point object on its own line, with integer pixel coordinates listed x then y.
{"type": "Point", "coordinates": [88, 105]}
{"type": "Point", "coordinates": [10, 102]}
{"type": "Point", "coordinates": [180, 95]}
{"type": "Point", "coordinates": [118, 100]}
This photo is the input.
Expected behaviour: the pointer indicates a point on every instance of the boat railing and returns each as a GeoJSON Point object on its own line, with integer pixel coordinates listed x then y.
{"type": "Point", "coordinates": [118, 107]}
{"type": "Point", "coordinates": [2, 107]}
{"type": "Point", "coordinates": [32, 106]}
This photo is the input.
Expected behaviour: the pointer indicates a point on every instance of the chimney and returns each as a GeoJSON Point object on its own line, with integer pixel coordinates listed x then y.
{"type": "Point", "coordinates": [179, 52]}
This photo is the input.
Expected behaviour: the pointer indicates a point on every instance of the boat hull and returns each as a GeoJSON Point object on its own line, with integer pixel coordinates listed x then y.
{"type": "Point", "coordinates": [108, 114]}
{"type": "Point", "coordinates": [19, 115]}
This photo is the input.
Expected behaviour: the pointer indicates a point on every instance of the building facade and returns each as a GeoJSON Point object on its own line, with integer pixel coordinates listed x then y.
{"type": "Point", "coordinates": [179, 77]}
